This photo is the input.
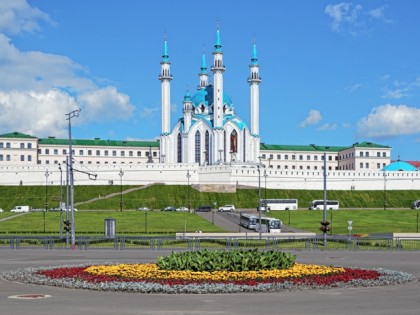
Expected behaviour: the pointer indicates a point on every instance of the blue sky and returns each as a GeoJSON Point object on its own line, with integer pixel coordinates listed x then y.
{"type": "Point", "coordinates": [333, 73]}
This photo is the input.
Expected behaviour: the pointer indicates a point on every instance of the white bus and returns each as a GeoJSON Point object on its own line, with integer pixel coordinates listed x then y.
{"type": "Point", "coordinates": [248, 221]}
{"type": "Point", "coordinates": [268, 225]}
{"type": "Point", "coordinates": [279, 204]}
{"type": "Point", "coordinates": [319, 205]}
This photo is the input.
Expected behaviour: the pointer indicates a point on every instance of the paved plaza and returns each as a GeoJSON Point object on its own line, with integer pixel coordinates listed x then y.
{"type": "Point", "coordinates": [392, 300]}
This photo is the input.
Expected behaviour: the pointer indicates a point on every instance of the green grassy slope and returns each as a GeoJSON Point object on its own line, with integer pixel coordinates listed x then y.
{"type": "Point", "coordinates": [159, 196]}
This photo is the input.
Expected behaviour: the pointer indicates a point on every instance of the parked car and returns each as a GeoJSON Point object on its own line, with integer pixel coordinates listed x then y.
{"type": "Point", "coordinates": [227, 208]}
{"type": "Point", "coordinates": [21, 209]}
{"type": "Point", "coordinates": [143, 209]}
{"type": "Point", "coordinates": [182, 209]}
{"type": "Point", "coordinates": [203, 208]}
{"type": "Point", "coordinates": [415, 204]}
{"type": "Point", "coordinates": [168, 209]}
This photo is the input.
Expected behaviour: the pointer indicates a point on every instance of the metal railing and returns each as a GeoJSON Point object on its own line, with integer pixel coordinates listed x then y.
{"type": "Point", "coordinates": [173, 243]}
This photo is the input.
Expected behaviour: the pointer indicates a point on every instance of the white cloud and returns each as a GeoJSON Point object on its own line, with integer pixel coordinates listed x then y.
{"type": "Point", "coordinates": [35, 113]}
{"type": "Point", "coordinates": [400, 89]}
{"type": "Point", "coordinates": [390, 121]}
{"type": "Point", "coordinates": [353, 87]}
{"type": "Point", "coordinates": [40, 88]}
{"type": "Point", "coordinates": [313, 118]}
{"type": "Point", "coordinates": [379, 14]}
{"type": "Point", "coordinates": [17, 16]}
{"type": "Point", "coordinates": [352, 18]}
{"type": "Point", "coordinates": [105, 104]}
{"type": "Point", "coordinates": [343, 15]}
{"type": "Point", "coordinates": [328, 126]}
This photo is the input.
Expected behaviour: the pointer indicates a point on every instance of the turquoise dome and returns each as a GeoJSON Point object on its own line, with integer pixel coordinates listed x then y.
{"type": "Point", "coordinates": [400, 166]}
{"type": "Point", "coordinates": [205, 96]}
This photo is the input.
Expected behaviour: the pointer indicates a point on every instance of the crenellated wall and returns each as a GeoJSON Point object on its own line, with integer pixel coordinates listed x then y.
{"type": "Point", "coordinates": [222, 177]}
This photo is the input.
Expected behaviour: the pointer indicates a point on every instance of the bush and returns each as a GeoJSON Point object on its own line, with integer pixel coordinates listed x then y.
{"type": "Point", "coordinates": [235, 260]}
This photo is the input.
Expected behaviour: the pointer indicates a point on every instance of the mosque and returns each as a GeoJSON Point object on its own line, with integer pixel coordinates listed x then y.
{"type": "Point", "coordinates": [210, 132]}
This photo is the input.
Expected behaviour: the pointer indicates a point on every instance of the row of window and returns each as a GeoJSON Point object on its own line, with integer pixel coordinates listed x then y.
{"type": "Point", "coordinates": [315, 167]}
{"type": "Point", "coordinates": [89, 152]}
{"type": "Point", "coordinates": [299, 157]}
{"type": "Point", "coordinates": [7, 145]}
{"type": "Point", "coordinates": [88, 162]}
{"type": "Point", "coordinates": [308, 157]}
{"type": "Point", "coordinates": [22, 158]}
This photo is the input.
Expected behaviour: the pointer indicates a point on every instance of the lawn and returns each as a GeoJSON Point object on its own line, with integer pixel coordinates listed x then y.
{"type": "Point", "coordinates": [363, 221]}
{"type": "Point", "coordinates": [93, 222]}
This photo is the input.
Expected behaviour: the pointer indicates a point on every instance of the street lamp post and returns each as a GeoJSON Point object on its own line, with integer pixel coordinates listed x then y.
{"type": "Point", "coordinates": [324, 219]}
{"type": "Point", "coordinates": [121, 173]}
{"type": "Point", "coordinates": [188, 189]}
{"type": "Point", "coordinates": [265, 186]}
{"type": "Point", "coordinates": [46, 194]}
{"type": "Point", "coordinates": [259, 201]}
{"type": "Point", "coordinates": [61, 200]}
{"type": "Point", "coordinates": [212, 212]}
{"type": "Point", "coordinates": [71, 115]}
{"type": "Point", "coordinates": [384, 190]}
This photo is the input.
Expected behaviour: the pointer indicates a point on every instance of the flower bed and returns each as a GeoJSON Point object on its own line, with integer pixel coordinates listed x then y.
{"type": "Point", "coordinates": [148, 278]}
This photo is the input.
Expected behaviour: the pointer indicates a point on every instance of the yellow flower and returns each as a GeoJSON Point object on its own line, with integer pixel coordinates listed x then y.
{"type": "Point", "coordinates": [152, 272]}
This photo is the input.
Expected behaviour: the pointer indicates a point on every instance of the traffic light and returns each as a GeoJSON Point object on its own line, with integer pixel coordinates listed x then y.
{"type": "Point", "coordinates": [67, 225]}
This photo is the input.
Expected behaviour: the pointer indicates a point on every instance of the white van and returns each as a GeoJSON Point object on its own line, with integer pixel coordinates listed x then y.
{"type": "Point", "coordinates": [21, 209]}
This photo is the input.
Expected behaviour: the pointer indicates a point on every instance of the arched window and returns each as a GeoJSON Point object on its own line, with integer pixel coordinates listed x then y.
{"type": "Point", "coordinates": [206, 147]}
{"type": "Point", "coordinates": [197, 146]}
{"type": "Point", "coordinates": [244, 146]}
{"type": "Point", "coordinates": [179, 148]}
{"type": "Point", "coordinates": [234, 142]}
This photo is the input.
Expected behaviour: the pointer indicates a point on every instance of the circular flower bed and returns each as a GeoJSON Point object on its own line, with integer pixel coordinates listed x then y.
{"type": "Point", "coordinates": [149, 278]}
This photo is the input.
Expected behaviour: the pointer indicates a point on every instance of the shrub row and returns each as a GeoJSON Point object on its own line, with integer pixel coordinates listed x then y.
{"type": "Point", "coordinates": [234, 260]}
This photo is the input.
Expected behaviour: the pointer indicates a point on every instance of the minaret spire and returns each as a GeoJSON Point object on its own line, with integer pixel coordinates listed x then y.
{"type": "Point", "coordinates": [254, 81]}
{"type": "Point", "coordinates": [218, 69]}
{"type": "Point", "coordinates": [165, 78]}
{"type": "Point", "coordinates": [203, 72]}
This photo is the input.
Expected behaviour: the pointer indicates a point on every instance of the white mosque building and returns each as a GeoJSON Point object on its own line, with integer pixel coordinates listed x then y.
{"type": "Point", "coordinates": [210, 132]}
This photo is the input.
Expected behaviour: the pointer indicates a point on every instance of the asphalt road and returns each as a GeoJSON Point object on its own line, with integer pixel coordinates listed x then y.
{"type": "Point", "coordinates": [387, 300]}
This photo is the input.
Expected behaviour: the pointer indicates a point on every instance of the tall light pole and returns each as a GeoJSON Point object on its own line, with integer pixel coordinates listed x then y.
{"type": "Point", "coordinates": [259, 201]}
{"type": "Point", "coordinates": [265, 186]}
{"type": "Point", "coordinates": [384, 190]}
{"type": "Point", "coordinates": [71, 115]}
{"type": "Point", "coordinates": [61, 200]}
{"type": "Point", "coordinates": [46, 194]}
{"type": "Point", "coordinates": [188, 187]}
{"type": "Point", "coordinates": [324, 219]}
{"type": "Point", "coordinates": [121, 173]}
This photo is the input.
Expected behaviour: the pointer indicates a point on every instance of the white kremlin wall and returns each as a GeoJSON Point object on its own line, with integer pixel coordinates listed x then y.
{"type": "Point", "coordinates": [221, 177]}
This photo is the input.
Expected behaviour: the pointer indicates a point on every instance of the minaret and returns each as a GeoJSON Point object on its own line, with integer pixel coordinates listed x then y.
{"type": "Point", "coordinates": [218, 68]}
{"type": "Point", "coordinates": [165, 78]}
{"type": "Point", "coordinates": [187, 109]}
{"type": "Point", "coordinates": [203, 73]}
{"type": "Point", "coordinates": [254, 81]}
